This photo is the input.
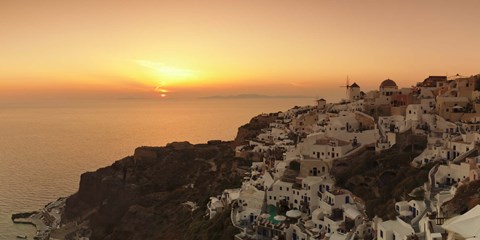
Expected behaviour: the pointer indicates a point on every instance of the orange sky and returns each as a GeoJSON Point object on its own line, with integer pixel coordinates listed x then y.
{"type": "Point", "coordinates": [198, 48]}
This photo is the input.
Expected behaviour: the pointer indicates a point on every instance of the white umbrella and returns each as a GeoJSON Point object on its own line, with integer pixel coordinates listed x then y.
{"type": "Point", "coordinates": [294, 214]}
{"type": "Point", "coordinates": [265, 215]}
{"type": "Point", "coordinates": [280, 218]}
{"type": "Point", "coordinates": [465, 225]}
{"type": "Point", "coordinates": [309, 224]}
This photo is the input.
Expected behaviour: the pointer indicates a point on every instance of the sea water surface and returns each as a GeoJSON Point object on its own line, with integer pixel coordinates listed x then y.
{"type": "Point", "coordinates": [46, 146]}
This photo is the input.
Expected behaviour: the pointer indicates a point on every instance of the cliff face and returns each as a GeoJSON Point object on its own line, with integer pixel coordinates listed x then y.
{"type": "Point", "coordinates": [381, 179]}
{"type": "Point", "coordinates": [253, 128]}
{"type": "Point", "coordinates": [466, 198]}
{"type": "Point", "coordinates": [141, 197]}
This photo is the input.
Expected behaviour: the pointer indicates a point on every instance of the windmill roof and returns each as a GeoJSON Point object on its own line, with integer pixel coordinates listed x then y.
{"type": "Point", "coordinates": [355, 85]}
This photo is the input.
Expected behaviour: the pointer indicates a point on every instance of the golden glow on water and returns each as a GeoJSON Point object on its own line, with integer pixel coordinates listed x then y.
{"type": "Point", "coordinates": [49, 145]}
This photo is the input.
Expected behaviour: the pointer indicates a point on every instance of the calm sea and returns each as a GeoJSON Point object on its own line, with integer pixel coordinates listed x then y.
{"type": "Point", "coordinates": [44, 147]}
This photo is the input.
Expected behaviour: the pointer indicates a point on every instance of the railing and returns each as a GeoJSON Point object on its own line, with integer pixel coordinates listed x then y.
{"type": "Point", "coordinates": [233, 214]}
{"type": "Point", "coordinates": [463, 156]}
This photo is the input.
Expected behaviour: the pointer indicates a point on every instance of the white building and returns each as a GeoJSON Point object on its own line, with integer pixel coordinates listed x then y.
{"type": "Point", "coordinates": [412, 208]}
{"type": "Point", "coordinates": [280, 190]}
{"type": "Point", "coordinates": [394, 230]}
{"type": "Point", "coordinates": [250, 203]}
{"type": "Point", "coordinates": [451, 174]}
{"type": "Point", "coordinates": [325, 148]}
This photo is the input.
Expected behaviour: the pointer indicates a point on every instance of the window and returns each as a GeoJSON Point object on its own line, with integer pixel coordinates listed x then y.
{"type": "Point", "coordinates": [280, 188]}
{"type": "Point", "coordinates": [381, 233]}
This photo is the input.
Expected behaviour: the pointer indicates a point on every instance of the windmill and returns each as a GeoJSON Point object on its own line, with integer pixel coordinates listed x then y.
{"type": "Point", "coordinates": [347, 86]}
{"type": "Point", "coordinates": [454, 77]}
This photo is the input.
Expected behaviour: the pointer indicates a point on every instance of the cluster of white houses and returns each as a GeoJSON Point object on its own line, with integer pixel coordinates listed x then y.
{"type": "Point", "coordinates": [294, 196]}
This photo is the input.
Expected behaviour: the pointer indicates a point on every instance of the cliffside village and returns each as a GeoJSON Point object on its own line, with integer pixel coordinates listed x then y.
{"type": "Point", "coordinates": [289, 192]}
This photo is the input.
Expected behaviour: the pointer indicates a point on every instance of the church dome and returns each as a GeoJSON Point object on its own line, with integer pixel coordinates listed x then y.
{"type": "Point", "coordinates": [389, 83]}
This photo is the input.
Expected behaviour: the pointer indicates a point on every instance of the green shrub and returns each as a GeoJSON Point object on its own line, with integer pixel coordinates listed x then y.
{"type": "Point", "coordinates": [294, 165]}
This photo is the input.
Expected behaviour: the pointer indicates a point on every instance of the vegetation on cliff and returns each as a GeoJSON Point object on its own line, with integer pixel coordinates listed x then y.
{"type": "Point", "coordinates": [220, 227]}
{"type": "Point", "coordinates": [466, 197]}
{"type": "Point", "coordinates": [381, 179]}
{"type": "Point", "coordinates": [142, 197]}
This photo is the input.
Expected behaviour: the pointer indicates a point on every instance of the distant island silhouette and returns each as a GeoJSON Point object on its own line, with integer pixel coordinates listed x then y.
{"type": "Point", "coordinates": [252, 96]}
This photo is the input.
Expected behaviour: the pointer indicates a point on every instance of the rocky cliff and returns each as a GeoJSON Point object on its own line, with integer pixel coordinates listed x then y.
{"type": "Point", "coordinates": [466, 198]}
{"type": "Point", "coordinates": [143, 196]}
{"type": "Point", "coordinates": [381, 179]}
{"type": "Point", "coordinates": [253, 128]}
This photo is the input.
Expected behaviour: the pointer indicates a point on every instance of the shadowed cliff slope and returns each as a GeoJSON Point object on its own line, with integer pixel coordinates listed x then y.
{"type": "Point", "coordinates": [380, 179]}
{"type": "Point", "coordinates": [142, 197]}
{"type": "Point", "coordinates": [253, 128]}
